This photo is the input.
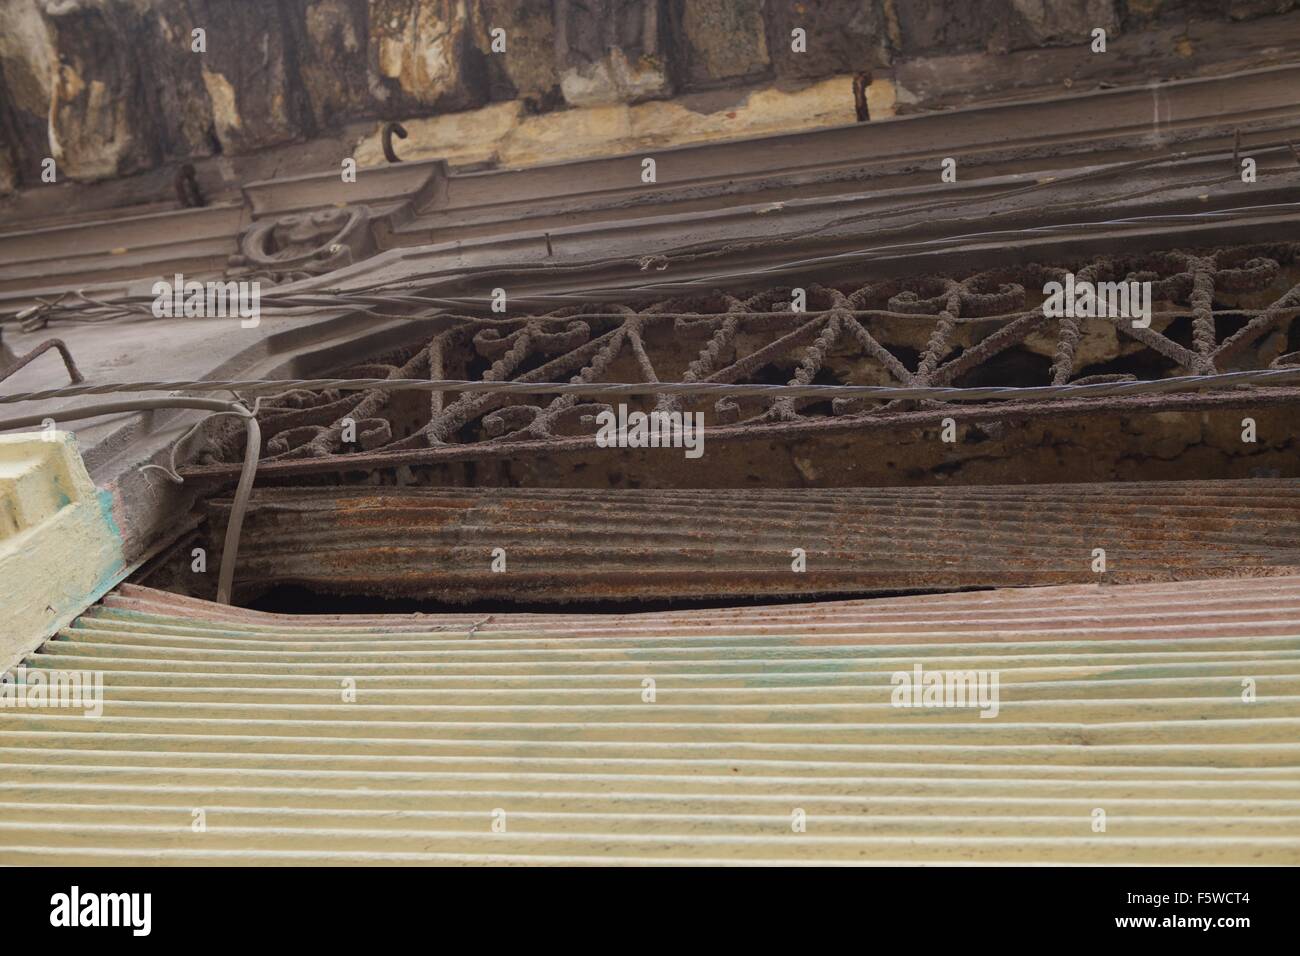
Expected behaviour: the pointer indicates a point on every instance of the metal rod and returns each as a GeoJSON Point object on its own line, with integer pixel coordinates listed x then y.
{"type": "Point", "coordinates": [1181, 383]}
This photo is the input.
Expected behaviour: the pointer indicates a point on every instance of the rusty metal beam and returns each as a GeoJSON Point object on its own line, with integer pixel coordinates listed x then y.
{"type": "Point", "coordinates": [566, 545]}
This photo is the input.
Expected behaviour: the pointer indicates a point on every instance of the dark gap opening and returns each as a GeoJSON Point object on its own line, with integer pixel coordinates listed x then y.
{"type": "Point", "coordinates": [824, 376]}
{"type": "Point", "coordinates": [1180, 331]}
{"type": "Point", "coordinates": [1014, 366]}
{"type": "Point", "coordinates": [530, 362]}
{"type": "Point", "coordinates": [1144, 365]}
{"type": "Point", "coordinates": [1228, 324]}
{"type": "Point", "coordinates": [910, 357]}
{"type": "Point", "coordinates": [476, 366]}
{"type": "Point", "coordinates": [773, 374]}
{"type": "Point", "coordinates": [294, 599]}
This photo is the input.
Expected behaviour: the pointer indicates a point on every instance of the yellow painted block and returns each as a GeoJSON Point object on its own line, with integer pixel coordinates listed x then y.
{"type": "Point", "coordinates": [59, 548]}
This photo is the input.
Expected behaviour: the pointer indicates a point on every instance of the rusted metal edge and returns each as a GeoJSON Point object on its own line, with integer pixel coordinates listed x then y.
{"type": "Point", "coordinates": [581, 544]}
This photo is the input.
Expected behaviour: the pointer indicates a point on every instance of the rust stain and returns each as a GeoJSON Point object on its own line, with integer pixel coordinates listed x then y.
{"type": "Point", "coordinates": [566, 545]}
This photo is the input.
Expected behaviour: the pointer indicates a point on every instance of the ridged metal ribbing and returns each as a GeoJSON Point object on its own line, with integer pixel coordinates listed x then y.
{"type": "Point", "coordinates": [574, 544]}
{"type": "Point", "coordinates": [1125, 699]}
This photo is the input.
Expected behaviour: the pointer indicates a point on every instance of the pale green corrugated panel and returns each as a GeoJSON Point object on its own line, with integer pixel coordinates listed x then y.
{"type": "Point", "coordinates": [1125, 700]}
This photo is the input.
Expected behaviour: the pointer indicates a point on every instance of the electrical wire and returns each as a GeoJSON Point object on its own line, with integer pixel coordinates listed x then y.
{"type": "Point", "coordinates": [1182, 383]}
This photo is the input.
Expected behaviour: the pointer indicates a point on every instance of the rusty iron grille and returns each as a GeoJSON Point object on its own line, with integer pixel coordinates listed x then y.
{"type": "Point", "coordinates": [965, 325]}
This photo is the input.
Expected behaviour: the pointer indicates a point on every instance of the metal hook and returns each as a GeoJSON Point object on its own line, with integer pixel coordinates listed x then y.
{"type": "Point", "coordinates": [187, 189]}
{"type": "Point", "coordinates": [41, 349]}
{"type": "Point", "coordinates": [389, 130]}
{"type": "Point", "coordinates": [860, 84]}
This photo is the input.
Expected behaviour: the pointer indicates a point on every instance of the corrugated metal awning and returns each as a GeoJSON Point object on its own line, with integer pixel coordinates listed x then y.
{"type": "Point", "coordinates": [1126, 700]}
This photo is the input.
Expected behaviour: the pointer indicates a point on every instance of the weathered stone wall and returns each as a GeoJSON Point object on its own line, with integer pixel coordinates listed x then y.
{"type": "Point", "coordinates": [112, 87]}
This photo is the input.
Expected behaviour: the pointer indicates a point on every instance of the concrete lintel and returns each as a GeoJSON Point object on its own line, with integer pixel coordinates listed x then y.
{"type": "Point", "coordinates": [60, 549]}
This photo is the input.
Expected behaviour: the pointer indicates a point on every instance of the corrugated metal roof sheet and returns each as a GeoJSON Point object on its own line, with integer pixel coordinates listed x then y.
{"type": "Point", "coordinates": [1121, 699]}
{"type": "Point", "coordinates": [584, 543]}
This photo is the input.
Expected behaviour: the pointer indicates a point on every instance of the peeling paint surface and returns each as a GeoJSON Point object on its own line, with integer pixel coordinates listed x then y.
{"type": "Point", "coordinates": [60, 549]}
{"type": "Point", "coordinates": [503, 134]}
{"type": "Point", "coordinates": [225, 111]}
